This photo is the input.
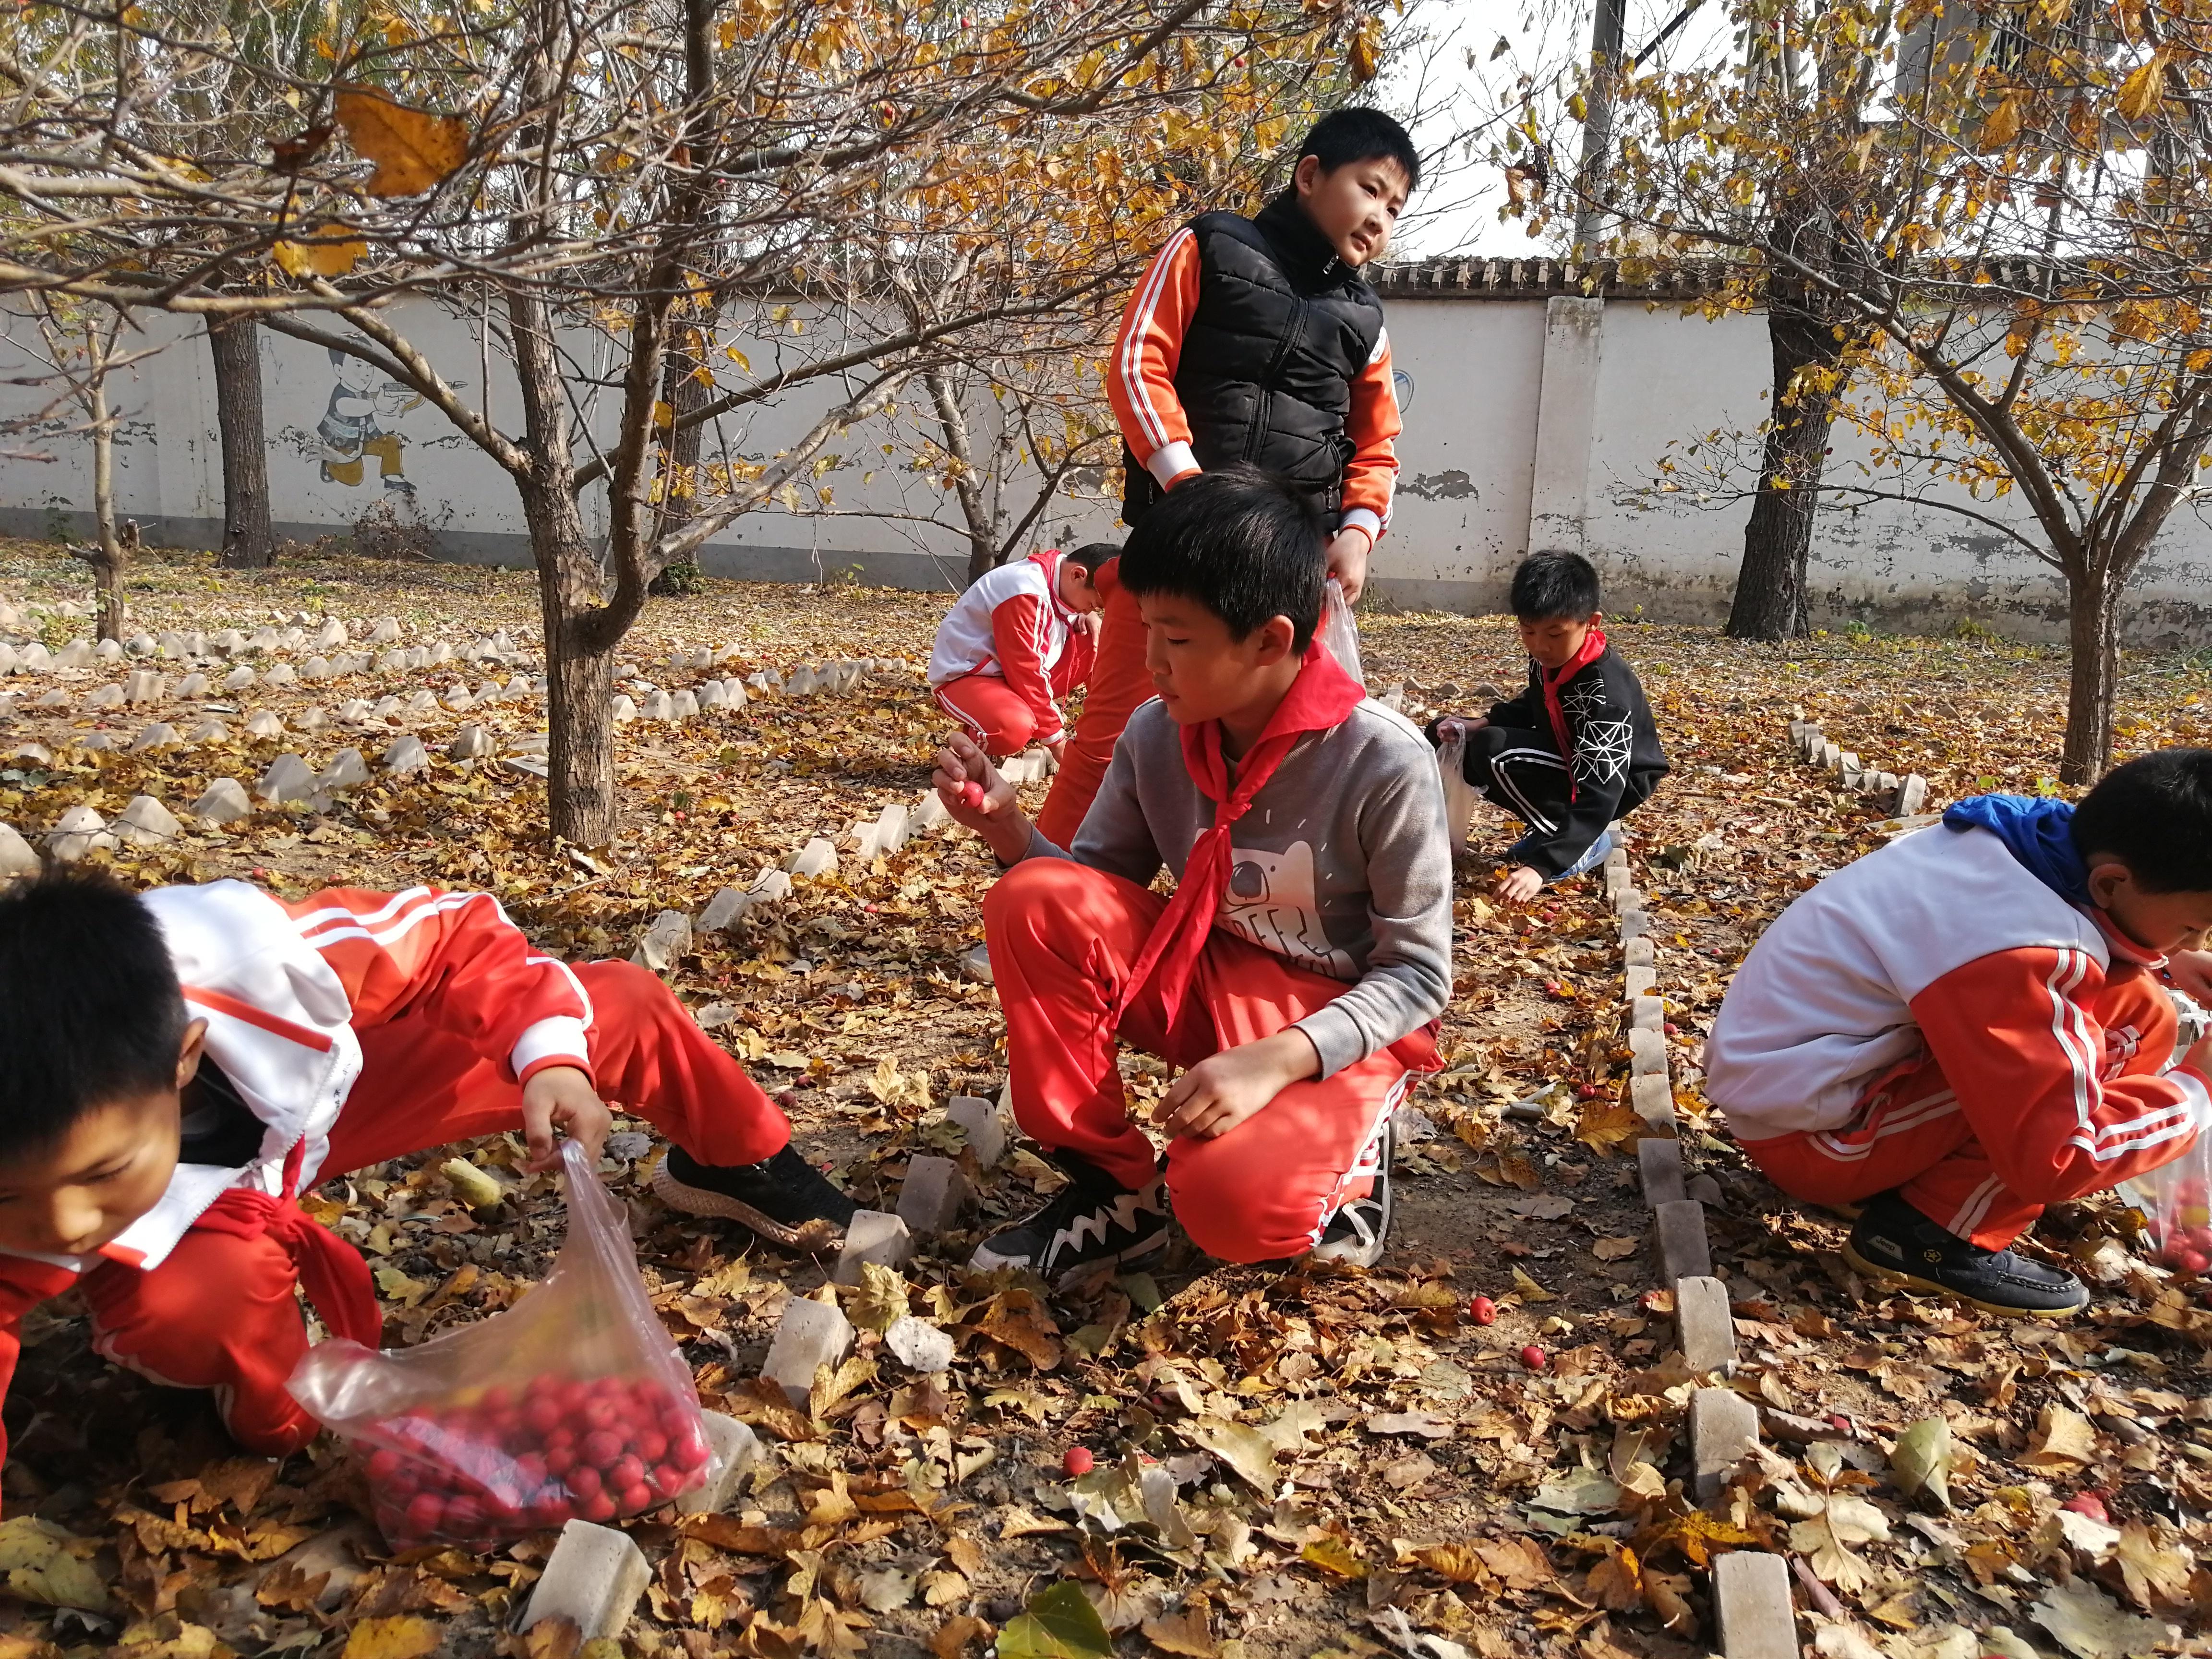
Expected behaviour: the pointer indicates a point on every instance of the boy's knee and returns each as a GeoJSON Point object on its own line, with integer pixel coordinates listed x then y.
{"type": "Point", "coordinates": [616, 985]}
{"type": "Point", "coordinates": [1019, 728]}
{"type": "Point", "coordinates": [1224, 1211]}
{"type": "Point", "coordinates": [1032, 890]}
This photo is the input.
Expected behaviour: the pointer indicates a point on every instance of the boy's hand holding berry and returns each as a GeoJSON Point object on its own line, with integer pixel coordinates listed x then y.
{"type": "Point", "coordinates": [977, 794]}
{"type": "Point", "coordinates": [562, 1097]}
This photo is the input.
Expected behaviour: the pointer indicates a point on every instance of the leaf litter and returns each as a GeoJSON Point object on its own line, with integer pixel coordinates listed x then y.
{"type": "Point", "coordinates": [1318, 1462]}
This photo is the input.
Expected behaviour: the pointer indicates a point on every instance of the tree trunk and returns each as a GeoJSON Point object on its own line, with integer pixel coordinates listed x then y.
{"type": "Point", "coordinates": [2092, 678]}
{"type": "Point", "coordinates": [1771, 598]}
{"type": "Point", "coordinates": [107, 557]}
{"type": "Point", "coordinates": [679, 476]}
{"type": "Point", "coordinates": [578, 667]}
{"type": "Point", "coordinates": [248, 541]}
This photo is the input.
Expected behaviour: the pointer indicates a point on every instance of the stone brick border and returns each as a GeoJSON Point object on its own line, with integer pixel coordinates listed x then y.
{"type": "Point", "coordinates": [1907, 794]}
{"type": "Point", "coordinates": [1751, 1588]}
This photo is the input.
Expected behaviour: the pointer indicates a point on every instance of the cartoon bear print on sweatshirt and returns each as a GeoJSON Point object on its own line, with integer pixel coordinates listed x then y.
{"type": "Point", "coordinates": [1270, 901]}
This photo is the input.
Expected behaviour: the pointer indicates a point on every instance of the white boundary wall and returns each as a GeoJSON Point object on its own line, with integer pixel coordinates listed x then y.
{"type": "Point", "coordinates": [1531, 421]}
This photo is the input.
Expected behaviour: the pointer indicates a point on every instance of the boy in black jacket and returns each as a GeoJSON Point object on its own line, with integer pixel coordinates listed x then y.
{"type": "Point", "coordinates": [1575, 750]}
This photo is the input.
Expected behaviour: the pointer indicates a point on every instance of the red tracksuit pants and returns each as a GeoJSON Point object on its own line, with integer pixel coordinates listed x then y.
{"type": "Point", "coordinates": [990, 711]}
{"type": "Point", "coordinates": [1062, 938]}
{"type": "Point", "coordinates": [1119, 685]}
{"type": "Point", "coordinates": [219, 1312]}
{"type": "Point", "coordinates": [1910, 1131]}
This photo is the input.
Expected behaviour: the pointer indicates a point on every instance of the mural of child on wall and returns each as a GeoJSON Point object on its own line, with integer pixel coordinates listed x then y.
{"type": "Point", "coordinates": [359, 423]}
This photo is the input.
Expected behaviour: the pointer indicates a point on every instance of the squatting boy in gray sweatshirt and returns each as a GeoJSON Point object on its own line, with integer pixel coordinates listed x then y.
{"type": "Point", "coordinates": [1298, 969]}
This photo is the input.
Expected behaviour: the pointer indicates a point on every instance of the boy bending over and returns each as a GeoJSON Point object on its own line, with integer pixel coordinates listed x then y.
{"type": "Point", "coordinates": [176, 1067]}
{"type": "Point", "coordinates": [1575, 750]}
{"type": "Point", "coordinates": [1970, 1024]}
{"type": "Point", "coordinates": [1298, 971]}
{"type": "Point", "coordinates": [1017, 640]}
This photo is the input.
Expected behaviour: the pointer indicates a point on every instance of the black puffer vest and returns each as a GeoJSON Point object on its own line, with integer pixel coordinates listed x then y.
{"type": "Point", "coordinates": [1283, 327]}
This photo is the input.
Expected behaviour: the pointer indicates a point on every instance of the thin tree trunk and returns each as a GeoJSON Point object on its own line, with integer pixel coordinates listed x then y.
{"type": "Point", "coordinates": [679, 478]}
{"type": "Point", "coordinates": [107, 560]}
{"type": "Point", "coordinates": [579, 675]}
{"type": "Point", "coordinates": [986, 552]}
{"type": "Point", "coordinates": [1771, 602]}
{"type": "Point", "coordinates": [2092, 678]}
{"type": "Point", "coordinates": [248, 541]}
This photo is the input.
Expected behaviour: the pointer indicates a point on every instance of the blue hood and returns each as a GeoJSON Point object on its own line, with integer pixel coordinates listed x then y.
{"type": "Point", "coordinates": [2037, 831]}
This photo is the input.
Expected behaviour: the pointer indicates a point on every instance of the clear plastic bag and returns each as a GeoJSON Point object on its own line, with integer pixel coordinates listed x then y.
{"type": "Point", "coordinates": [1459, 794]}
{"type": "Point", "coordinates": [2175, 1199]}
{"type": "Point", "coordinates": [1337, 631]}
{"type": "Point", "coordinates": [572, 1404]}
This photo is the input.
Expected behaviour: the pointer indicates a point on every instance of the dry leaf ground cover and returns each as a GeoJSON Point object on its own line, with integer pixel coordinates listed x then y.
{"type": "Point", "coordinates": [1290, 1464]}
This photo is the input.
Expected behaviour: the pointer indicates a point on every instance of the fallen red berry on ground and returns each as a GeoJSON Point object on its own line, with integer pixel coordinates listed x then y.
{"type": "Point", "coordinates": [2088, 1503]}
{"type": "Point", "coordinates": [1077, 1461]}
{"type": "Point", "coordinates": [1482, 1310]}
{"type": "Point", "coordinates": [1533, 1358]}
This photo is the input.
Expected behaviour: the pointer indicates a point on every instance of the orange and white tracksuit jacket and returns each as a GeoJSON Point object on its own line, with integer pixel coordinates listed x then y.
{"type": "Point", "coordinates": [1935, 1018]}
{"type": "Point", "coordinates": [1011, 624]}
{"type": "Point", "coordinates": [1141, 386]}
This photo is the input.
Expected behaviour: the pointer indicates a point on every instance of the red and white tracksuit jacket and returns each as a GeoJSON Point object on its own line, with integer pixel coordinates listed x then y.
{"type": "Point", "coordinates": [1141, 386]}
{"type": "Point", "coordinates": [1011, 625]}
{"type": "Point", "coordinates": [356, 1027]}
{"type": "Point", "coordinates": [1933, 1017]}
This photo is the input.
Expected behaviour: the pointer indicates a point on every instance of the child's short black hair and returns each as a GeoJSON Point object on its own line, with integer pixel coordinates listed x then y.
{"type": "Point", "coordinates": [1550, 586]}
{"type": "Point", "coordinates": [89, 1009]}
{"type": "Point", "coordinates": [2155, 815]}
{"type": "Point", "coordinates": [1244, 544]}
{"type": "Point", "coordinates": [1092, 555]}
{"type": "Point", "coordinates": [1344, 136]}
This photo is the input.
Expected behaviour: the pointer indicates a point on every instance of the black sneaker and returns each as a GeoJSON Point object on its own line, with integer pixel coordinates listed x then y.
{"type": "Point", "coordinates": [1893, 1243]}
{"type": "Point", "coordinates": [1092, 1220]}
{"type": "Point", "coordinates": [785, 1200]}
{"type": "Point", "coordinates": [1358, 1232]}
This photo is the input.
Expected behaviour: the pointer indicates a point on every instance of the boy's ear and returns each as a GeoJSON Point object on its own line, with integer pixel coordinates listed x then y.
{"type": "Point", "coordinates": [1278, 639]}
{"type": "Point", "coordinates": [1308, 175]}
{"type": "Point", "coordinates": [188, 1055]}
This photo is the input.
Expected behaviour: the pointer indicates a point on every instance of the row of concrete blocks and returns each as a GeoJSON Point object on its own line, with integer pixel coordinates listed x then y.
{"type": "Point", "coordinates": [143, 686]}
{"type": "Point", "coordinates": [32, 657]}
{"type": "Point", "coordinates": [1751, 1589]}
{"type": "Point", "coordinates": [669, 935]}
{"type": "Point", "coordinates": [145, 822]}
{"type": "Point", "coordinates": [1907, 795]}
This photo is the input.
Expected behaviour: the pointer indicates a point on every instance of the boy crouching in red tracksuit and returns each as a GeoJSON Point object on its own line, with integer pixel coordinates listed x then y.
{"type": "Point", "coordinates": [1970, 1024]}
{"type": "Point", "coordinates": [177, 1066]}
{"type": "Point", "coordinates": [1300, 967]}
{"type": "Point", "coordinates": [1022, 637]}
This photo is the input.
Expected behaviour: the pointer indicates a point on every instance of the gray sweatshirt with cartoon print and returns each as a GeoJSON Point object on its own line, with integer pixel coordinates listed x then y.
{"type": "Point", "coordinates": [1341, 867]}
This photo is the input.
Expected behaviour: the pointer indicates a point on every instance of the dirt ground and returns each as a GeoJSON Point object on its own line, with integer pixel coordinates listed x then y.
{"type": "Point", "coordinates": [1354, 1465]}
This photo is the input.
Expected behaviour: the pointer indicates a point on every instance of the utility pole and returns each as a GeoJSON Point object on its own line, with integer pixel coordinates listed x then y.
{"type": "Point", "coordinates": [1597, 124]}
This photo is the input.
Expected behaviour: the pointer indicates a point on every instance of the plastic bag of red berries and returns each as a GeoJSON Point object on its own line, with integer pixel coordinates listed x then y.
{"type": "Point", "coordinates": [573, 1404]}
{"type": "Point", "coordinates": [2175, 1199]}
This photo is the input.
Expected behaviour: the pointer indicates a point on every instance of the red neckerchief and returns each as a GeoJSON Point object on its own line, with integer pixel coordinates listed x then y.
{"type": "Point", "coordinates": [1321, 698]}
{"type": "Point", "coordinates": [1593, 648]}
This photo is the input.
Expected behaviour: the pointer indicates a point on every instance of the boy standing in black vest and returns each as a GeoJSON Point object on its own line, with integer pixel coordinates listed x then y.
{"type": "Point", "coordinates": [1255, 340]}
